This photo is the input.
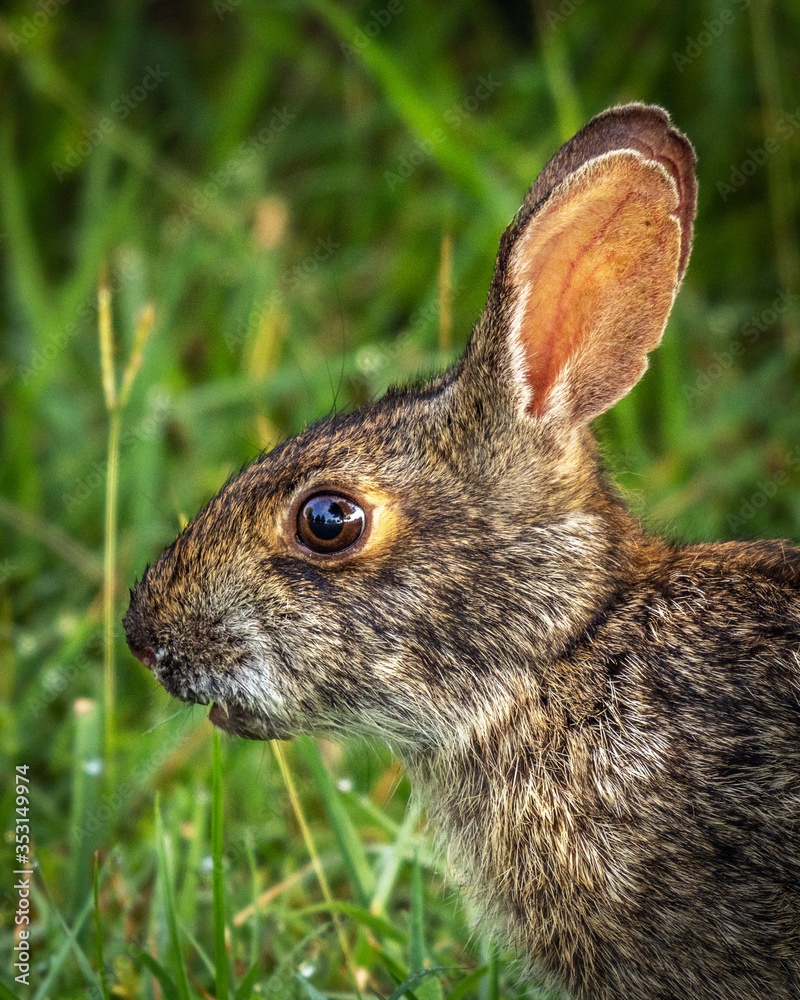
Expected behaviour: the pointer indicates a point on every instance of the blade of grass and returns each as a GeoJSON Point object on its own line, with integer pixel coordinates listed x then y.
{"type": "Point", "coordinates": [168, 898]}
{"type": "Point", "coordinates": [144, 328]}
{"type": "Point", "coordinates": [81, 960]}
{"type": "Point", "coordinates": [310, 991]}
{"type": "Point", "coordinates": [98, 927]}
{"type": "Point", "coordinates": [69, 942]}
{"type": "Point", "coordinates": [206, 959]}
{"type": "Point", "coordinates": [288, 781]}
{"type": "Point", "coordinates": [360, 874]}
{"type": "Point", "coordinates": [78, 292]}
{"type": "Point", "coordinates": [431, 989]}
{"type": "Point", "coordinates": [59, 541]}
{"type": "Point", "coordinates": [218, 874]}
{"type": "Point", "coordinates": [671, 377]}
{"type": "Point", "coordinates": [275, 983]}
{"type": "Point", "coordinates": [24, 256]}
{"type": "Point", "coordinates": [416, 943]}
{"type": "Point", "coordinates": [405, 988]}
{"type": "Point", "coordinates": [395, 969]}
{"type": "Point", "coordinates": [115, 402]}
{"type": "Point", "coordinates": [246, 987]}
{"type": "Point", "coordinates": [490, 987]}
{"type": "Point", "coordinates": [106, 331]}
{"type": "Point", "coordinates": [779, 179]}
{"type": "Point", "coordinates": [6, 993]}
{"type": "Point", "coordinates": [112, 472]}
{"type": "Point", "coordinates": [394, 859]}
{"type": "Point", "coordinates": [86, 776]}
{"type": "Point", "coordinates": [254, 928]}
{"type": "Point", "coordinates": [47, 78]}
{"type": "Point", "coordinates": [626, 423]}
{"type": "Point", "coordinates": [8, 658]}
{"type": "Point", "coordinates": [377, 815]}
{"type": "Point", "coordinates": [555, 59]}
{"type": "Point", "coordinates": [266, 897]}
{"type": "Point", "coordinates": [378, 925]}
{"type": "Point", "coordinates": [187, 903]}
{"type": "Point", "coordinates": [245, 87]}
{"type": "Point", "coordinates": [467, 985]}
{"type": "Point", "coordinates": [414, 109]}
{"type": "Point", "coordinates": [157, 970]}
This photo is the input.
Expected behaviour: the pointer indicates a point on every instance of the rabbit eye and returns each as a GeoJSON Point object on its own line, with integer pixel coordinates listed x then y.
{"type": "Point", "coordinates": [329, 523]}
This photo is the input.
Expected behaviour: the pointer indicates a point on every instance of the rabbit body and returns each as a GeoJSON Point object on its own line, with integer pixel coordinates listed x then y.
{"type": "Point", "coordinates": [634, 808]}
{"type": "Point", "coordinates": [604, 727]}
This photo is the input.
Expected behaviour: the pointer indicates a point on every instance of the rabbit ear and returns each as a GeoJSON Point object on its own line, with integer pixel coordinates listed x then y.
{"type": "Point", "coordinates": [587, 273]}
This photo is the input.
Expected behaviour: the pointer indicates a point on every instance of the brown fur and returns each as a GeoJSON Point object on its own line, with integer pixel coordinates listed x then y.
{"type": "Point", "coordinates": [605, 728]}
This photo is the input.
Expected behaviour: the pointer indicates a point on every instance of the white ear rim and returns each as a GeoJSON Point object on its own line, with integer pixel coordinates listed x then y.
{"type": "Point", "coordinates": [516, 349]}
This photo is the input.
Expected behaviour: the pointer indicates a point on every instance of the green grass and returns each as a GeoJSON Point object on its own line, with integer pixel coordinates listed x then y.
{"type": "Point", "coordinates": [304, 206]}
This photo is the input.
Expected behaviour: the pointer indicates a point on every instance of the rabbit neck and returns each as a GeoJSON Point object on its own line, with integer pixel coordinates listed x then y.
{"type": "Point", "coordinates": [508, 816]}
{"type": "Point", "coordinates": [507, 798]}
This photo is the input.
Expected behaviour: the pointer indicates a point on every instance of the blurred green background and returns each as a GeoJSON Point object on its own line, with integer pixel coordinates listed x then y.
{"type": "Point", "coordinates": [310, 196]}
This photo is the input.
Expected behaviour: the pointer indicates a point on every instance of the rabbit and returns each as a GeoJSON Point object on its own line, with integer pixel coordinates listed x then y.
{"type": "Point", "coordinates": [604, 726]}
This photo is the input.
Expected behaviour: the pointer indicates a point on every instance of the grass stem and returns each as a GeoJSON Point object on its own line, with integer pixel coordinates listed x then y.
{"type": "Point", "coordinates": [115, 403]}
{"type": "Point", "coordinates": [109, 574]}
{"type": "Point", "coordinates": [288, 781]}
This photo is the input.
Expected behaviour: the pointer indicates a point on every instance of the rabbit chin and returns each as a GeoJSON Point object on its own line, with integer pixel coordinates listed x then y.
{"type": "Point", "coordinates": [246, 704]}
{"type": "Point", "coordinates": [240, 721]}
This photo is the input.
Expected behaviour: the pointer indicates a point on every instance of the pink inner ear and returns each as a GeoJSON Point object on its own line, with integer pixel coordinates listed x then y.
{"type": "Point", "coordinates": [595, 274]}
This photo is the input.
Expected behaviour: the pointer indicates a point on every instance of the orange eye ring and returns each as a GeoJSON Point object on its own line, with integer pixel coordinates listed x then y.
{"type": "Point", "coordinates": [329, 523]}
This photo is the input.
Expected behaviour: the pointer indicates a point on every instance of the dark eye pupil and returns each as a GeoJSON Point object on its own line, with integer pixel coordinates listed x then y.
{"type": "Point", "coordinates": [326, 519]}
{"type": "Point", "coordinates": [329, 523]}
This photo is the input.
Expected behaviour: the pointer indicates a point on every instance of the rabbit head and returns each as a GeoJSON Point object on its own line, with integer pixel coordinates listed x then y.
{"type": "Point", "coordinates": [400, 570]}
